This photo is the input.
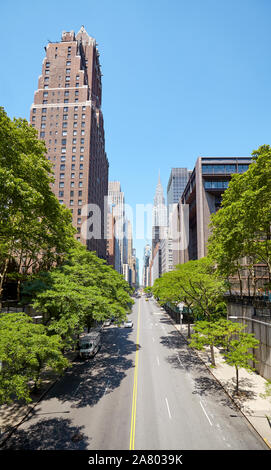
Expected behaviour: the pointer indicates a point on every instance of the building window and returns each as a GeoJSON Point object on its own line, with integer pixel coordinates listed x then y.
{"type": "Point", "coordinates": [66, 93]}
{"type": "Point", "coordinates": [62, 158]}
{"type": "Point", "coordinates": [68, 79]}
{"type": "Point", "coordinates": [62, 176]}
{"type": "Point", "coordinates": [81, 157]}
{"type": "Point", "coordinates": [72, 176]}
{"type": "Point", "coordinates": [75, 116]}
{"type": "Point", "coordinates": [61, 184]}
{"type": "Point", "coordinates": [81, 149]}
{"type": "Point", "coordinates": [79, 194]}
{"type": "Point", "coordinates": [71, 202]}
{"type": "Point", "coordinates": [73, 158]}
{"type": "Point", "coordinates": [76, 93]}
{"type": "Point", "coordinates": [63, 150]}
{"type": "Point", "coordinates": [79, 202]}
{"type": "Point", "coordinates": [64, 132]}
{"type": "Point", "coordinates": [61, 194]}
{"type": "Point", "coordinates": [65, 117]}
{"type": "Point", "coordinates": [64, 141]}
{"type": "Point", "coordinates": [73, 166]}
{"type": "Point", "coordinates": [72, 184]}
{"type": "Point", "coordinates": [68, 71]}
{"type": "Point", "coordinates": [80, 175]}
{"type": "Point", "coordinates": [77, 85]}
{"type": "Point", "coordinates": [74, 132]}
{"type": "Point", "coordinates": [79, 220]}
{"type": "Point", "coordinates": [68, 62]}
{"type": "Point", "coordinates": [42, 134]}
{"type": "Point", "coordinates": [80, 185]}
{"type": "Point", "coordinates": [62, 167]}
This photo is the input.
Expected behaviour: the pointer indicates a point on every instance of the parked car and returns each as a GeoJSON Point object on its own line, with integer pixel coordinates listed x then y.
{"type": "Point", "coordinates": [89, 343]}
{"type": "Point", "coordinates": [107, 323]}
{"type": "Point", "coordinates": [128, 324]}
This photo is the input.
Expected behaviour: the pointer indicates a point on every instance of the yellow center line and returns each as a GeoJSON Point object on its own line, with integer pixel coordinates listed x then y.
{"type": "Point", "coordinates": [133, 418]}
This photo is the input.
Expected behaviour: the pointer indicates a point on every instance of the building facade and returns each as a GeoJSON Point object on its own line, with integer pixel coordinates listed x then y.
{"type": "Point", "coordinates": [176, 184]}
{"type": "Point", "coordinates": [203, 195]}
{"type": "Point", "coordinates": [67, 114]}
{"type": "Point", "coordinates": [116, 203]}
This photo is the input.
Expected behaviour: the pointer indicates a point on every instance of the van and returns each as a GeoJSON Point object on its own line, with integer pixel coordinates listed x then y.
{"type": "Point", "coordinates": [89, 344]}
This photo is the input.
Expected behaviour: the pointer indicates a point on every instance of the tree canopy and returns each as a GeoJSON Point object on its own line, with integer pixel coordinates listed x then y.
{"type": "Point", "coordinates": [241, 229]}
{"type": "Point", "coordinates": [35, 230]}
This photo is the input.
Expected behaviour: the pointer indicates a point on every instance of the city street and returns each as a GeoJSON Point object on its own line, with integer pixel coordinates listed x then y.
{"type": "Point", "coordinates": [145, 389]}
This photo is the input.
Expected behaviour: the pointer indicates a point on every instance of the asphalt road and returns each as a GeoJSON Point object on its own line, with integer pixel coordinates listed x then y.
{"type": "Point", "coordinates": [145, 389]}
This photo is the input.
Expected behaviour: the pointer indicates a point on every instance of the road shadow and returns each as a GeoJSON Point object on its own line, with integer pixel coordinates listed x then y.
{"type": "Point", "coordinates": [186, 359]}
{"type": "Point", "coordinates": [49, 434]}
{"type": "Point", "coordinates": [86, 382]}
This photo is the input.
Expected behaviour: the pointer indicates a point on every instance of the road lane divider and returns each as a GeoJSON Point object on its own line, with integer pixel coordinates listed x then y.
{"type": "Point", "coordinates": [168, 409]}
{"type": "Point", "coordinates": [133, 417]}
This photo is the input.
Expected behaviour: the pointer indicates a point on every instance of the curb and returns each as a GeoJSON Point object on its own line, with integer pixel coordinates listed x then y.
{"type": "Point", "coordinates": [218, 381]}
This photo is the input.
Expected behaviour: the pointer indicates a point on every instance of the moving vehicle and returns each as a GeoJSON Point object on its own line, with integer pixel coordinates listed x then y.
{"type": "Point", "coordinates": [89, 343]}
{"type": "Point", "coordinates": [128, 324]}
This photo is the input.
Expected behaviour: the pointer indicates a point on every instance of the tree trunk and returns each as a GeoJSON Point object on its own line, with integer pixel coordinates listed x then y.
{"type": "Point", "coordinates": [237, 379]}
{"type": "Point", "coordinates": [188, 329]}
{"type": "Point", "coordinates": [2, 279]}
{"type": "Point", "coordinates": [212, 355]}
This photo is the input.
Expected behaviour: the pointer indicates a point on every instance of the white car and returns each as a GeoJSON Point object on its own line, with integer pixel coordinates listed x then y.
{"type": "Point", "coordinates": [128, 324]}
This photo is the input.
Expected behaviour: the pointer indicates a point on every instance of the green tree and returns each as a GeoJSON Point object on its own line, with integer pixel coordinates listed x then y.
{"type": "Point", "coordinates": [80, 292]}
{"type": "Point", "coordinates": [241, 234]}
{"type": "Point", "coordinates": [206, 334]}
{"type": "Point", "coordinates": [35, 230]}
{"type": "Point", "coordinates": [196, 284]}
{"type": "Point", "coordinates": [239, 354]}
{"type": "Point", "coordinates": [25, 349]}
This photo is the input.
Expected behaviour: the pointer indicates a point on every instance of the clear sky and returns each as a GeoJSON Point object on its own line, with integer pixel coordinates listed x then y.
{"type": "Point", "coordinates": [181, 78]}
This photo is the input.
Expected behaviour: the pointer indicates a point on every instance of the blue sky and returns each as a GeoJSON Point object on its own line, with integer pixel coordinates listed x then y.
{"type": "Point", "coordinates": [181, 78]}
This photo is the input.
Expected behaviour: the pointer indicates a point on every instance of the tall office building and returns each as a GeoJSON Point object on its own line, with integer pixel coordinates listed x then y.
{"type": "Point", "coordinates": [67, 114]}
{"type": "Point", "coordinates": [159, 215]}
{"type": "Point", "coordinates": [202, 196]}
{"type": "Point", "coordinates": [176, 184]}
{"type": "Point", "coordinates": [117, 204]}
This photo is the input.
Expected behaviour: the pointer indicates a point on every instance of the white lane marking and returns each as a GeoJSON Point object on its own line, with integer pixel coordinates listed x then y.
{"type": "Point", "coordinates": [210, 422]}
{"type": "Point", "coordinates": [180, 360]}
{"type": "Point", "coordinates": [158, 362]}
{"type": "Point", "coordinates": [153, 340]}
{"type": "Point", "coordinates": [169, 414]}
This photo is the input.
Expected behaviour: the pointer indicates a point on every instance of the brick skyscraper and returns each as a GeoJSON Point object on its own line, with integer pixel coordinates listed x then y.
{"type": "Point", "coordinates": [67, 114]}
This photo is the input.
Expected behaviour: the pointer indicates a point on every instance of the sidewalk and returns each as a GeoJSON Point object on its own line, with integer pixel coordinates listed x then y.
{"type": "Point", "coordinates": [252, 385]}
{"type": "Point", "coordinates": [11, 416]}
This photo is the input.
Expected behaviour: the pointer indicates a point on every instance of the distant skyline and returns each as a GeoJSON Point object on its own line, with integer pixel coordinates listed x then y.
{"type": "Point", "coordinates": [181, 79]}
